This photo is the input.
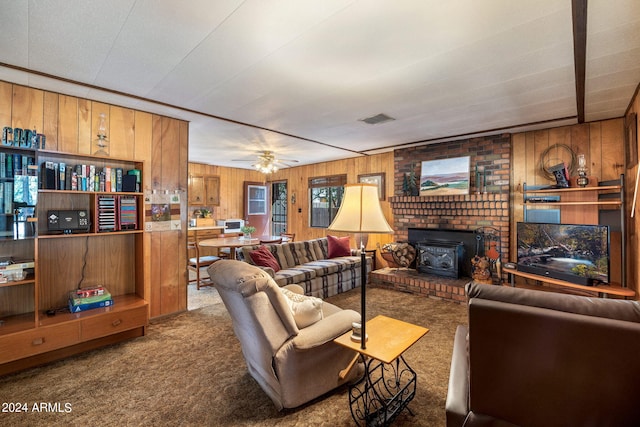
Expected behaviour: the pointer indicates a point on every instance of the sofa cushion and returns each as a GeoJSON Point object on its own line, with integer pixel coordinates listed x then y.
{"type": "Point", "coordinates": [296, 274]}
{"type": "Point", "coordinates": [290, 254]}
{"type": "Point", "coordinates": [333, 265]}
{"type": "Point", "coordinates": [306, 310]}
{"type": "Point", "coordinates": [302, 252]}
{"type": "Point", "coordinates": [264, 258]}
{"type": "Point", "coordinates": [338, 246]}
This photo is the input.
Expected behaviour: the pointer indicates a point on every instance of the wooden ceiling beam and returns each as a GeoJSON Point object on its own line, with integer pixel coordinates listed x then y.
{"type": "Point", "coordinates": [579, 14]}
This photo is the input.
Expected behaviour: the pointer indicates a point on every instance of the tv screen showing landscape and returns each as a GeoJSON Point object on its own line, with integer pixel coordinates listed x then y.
{"type": "Point", "coordinates": [569, 252]}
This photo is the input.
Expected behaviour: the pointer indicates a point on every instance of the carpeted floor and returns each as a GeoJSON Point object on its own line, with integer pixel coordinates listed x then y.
{"type": "Point", "coordinates": [189, 371]}
{"type": "Point", "coordinates": [203, 297]}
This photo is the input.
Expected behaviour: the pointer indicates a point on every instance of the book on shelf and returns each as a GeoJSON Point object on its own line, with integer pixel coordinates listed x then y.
{"type": "Point", "coordinates": [89, 298]}
{"type": "Point", "coordinates": [9, 165]}
{"type": "Point", "coordinates": [17, 265]}
{"type": "Point", "coordinates": [62, 178]}
{"type": "Point", "coordinates": [47, 176]}
{"type": "Point", "coordinates": [81, 177]}
{"type": "Point", "coordinates": [8, 197]}
{"type": "Point", "coordinates": [89, 306]}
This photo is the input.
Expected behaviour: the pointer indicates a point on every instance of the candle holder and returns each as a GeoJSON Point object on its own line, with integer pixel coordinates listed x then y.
{"type": "Point", "coordinates": [582, 180]}
{"type": "Point", "coordinates": [101, 141]}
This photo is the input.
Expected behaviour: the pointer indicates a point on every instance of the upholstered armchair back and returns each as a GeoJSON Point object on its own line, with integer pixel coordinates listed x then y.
{"type": "Point", "coordinates": [540, 358]}
{"type": "Point", "coordinates": [262, 321]}
{"type": "Point", "coordinates": [293, 364]}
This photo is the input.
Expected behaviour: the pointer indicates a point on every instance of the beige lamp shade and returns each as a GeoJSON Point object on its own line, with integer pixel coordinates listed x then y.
{"type": "Point", "coordinates": [360, 211]}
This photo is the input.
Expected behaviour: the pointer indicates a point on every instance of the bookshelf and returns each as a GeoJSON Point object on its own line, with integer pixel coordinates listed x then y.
{"type": "Point", "coordinates": [17, 239]}
{"type": "Point", "coordinates": [35, 323]}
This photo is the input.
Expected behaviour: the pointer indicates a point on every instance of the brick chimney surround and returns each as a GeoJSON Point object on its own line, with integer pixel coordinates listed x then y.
{"type": "Point", "coordinates": [488, 208]}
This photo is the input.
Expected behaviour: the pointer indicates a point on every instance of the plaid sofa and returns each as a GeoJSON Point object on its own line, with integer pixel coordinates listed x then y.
{"type": "Point", "coordinates": [307, 264]}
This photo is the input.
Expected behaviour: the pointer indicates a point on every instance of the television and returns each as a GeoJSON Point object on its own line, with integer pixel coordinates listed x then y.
{"type": "Point", "coordinates": [575, 253]}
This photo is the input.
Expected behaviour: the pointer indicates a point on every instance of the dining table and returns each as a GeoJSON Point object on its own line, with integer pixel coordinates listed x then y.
{"type": "Point", "coordinates": [235, 242]}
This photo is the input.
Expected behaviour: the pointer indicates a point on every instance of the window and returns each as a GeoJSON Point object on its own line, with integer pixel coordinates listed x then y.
{"type": "Point", "coordinates": [325, 199]}
{"type": "Point", "coordinates": [257, 200]}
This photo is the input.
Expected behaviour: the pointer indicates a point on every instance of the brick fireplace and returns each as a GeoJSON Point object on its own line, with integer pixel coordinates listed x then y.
{"type": "Point", "coordinates": [488, 208]}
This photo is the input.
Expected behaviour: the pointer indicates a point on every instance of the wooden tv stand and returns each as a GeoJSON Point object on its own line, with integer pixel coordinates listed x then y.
{"type": "Point", "coordinates": [602, 290]}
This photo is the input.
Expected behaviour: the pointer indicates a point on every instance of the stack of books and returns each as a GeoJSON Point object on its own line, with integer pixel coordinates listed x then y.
{"type": "Point", "coordinates": [88, 298]}
{"type": "Point", "coordinates": [11, 270]}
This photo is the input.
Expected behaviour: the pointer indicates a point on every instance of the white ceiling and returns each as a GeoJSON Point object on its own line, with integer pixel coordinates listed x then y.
{"type": "Point", "coordinates": [297, 76]}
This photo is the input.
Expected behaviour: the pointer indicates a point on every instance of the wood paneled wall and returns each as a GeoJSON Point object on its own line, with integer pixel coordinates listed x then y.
{"type": "Point", "coordinates": [70, 125]}
{"type": "Point", "coordinates": [231, 187]}
{"type": "Point", "coordinates": [632, 181]}
{"type": "Point", "coordinates": [297, 178]}
{"type": "Point", "coordinates": [602, 143]}
{"type": "Point", "coordinates": [297, 183]}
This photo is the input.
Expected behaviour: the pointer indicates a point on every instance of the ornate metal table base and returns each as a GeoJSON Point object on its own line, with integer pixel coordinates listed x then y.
{"type": "Point", "coordinates": [382, 393]}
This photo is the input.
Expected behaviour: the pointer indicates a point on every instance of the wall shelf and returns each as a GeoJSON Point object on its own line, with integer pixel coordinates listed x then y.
{"type": "Point", "coordinates": [580, 197]}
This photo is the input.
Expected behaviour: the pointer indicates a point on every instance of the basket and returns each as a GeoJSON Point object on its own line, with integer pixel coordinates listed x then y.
{"type": "Point", "coordinates": [399, 255]}
{"type": "Point", "coordinates": [388, 256]}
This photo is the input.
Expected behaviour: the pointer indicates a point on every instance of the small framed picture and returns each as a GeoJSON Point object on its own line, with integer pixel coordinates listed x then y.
{"type": "Point", "coordinates": [374, 178]}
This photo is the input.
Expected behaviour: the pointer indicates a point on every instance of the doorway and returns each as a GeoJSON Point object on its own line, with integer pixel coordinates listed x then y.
{"type": "Point", "coordinates": [279, 214]}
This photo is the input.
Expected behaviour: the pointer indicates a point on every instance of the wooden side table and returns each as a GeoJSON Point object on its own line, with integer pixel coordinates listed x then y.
{"type": "Point", "coordinates": [388, 383]}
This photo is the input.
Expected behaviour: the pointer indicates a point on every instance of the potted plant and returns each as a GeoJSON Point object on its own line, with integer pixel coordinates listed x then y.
{"type": "Point", "coordinates": [247, 230]}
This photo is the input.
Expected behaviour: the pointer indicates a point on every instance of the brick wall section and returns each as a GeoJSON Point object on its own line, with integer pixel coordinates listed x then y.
{"type": "Point", "coordinates": [491, 153]}
{"type": "Point", "coordinates": [407, 280]}
{"type": "Point", "coordinates": [456, 212]}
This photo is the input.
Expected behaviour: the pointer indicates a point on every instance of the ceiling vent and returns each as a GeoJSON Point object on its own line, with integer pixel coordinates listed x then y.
{"type": "Point", "coordinates": [377, 119]}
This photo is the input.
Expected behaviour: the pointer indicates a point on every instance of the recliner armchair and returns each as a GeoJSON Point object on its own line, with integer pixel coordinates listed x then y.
{"type": "Point", "coordinates": [292, 365]}
{"type": "Point", "coordinates": [533, 358]}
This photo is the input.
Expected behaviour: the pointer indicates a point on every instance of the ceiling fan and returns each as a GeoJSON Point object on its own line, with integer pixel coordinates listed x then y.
{"type": "Point", "coordinates": [267, 162]}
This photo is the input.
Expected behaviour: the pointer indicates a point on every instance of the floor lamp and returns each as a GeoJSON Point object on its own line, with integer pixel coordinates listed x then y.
{"type": "Point", "coordinates": [360, 212]}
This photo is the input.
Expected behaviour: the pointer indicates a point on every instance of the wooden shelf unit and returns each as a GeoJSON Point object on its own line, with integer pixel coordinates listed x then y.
{"type": "Point", "coordinates": [575, 199]}
{"type": "Point", "coordinates": [35, 323]}
{"type": "Point", "coordinates": [611, 289]}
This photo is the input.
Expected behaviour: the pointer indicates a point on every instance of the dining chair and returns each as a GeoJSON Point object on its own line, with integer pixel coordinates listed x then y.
{"type": "Point", "coordinates": [199, 262]}
{"type": "Point", "coordinates": [226, 252]}
{"type": "Point", "coordinates": [289, 236]}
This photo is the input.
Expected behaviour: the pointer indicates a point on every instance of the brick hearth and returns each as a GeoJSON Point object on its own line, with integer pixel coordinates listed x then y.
{"type": "Point", "coordinates": [409, 280]}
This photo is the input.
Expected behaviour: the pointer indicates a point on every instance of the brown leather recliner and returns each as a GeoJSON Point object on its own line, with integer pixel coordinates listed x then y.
{"type": "Point", "coordinates": [533, 358]}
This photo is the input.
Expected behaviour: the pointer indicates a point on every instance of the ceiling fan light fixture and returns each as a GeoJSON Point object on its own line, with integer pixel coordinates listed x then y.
{"type": "Point", "coordinates": [377, 119]}
{"type": "Point", "coordinates": [266, 167]}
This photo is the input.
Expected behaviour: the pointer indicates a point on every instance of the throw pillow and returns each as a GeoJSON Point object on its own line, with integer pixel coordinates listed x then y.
{"type": "Point", "coordinates": [338, 246]}
{"type": "Point", "coordinates": [264, 258]}
{"type": "Point", "coordinates": [306, 310]}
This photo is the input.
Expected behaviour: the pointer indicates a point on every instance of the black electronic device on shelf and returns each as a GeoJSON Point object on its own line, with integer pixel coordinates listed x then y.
{"type": "Point", "coordinates": [68, 221]}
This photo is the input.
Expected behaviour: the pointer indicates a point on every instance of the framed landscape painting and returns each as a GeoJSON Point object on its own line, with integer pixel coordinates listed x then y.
{"type": "Point", "coordinates": [445, 177]}
{"type": "Point", "coordinates": [374, 178]}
